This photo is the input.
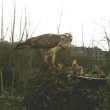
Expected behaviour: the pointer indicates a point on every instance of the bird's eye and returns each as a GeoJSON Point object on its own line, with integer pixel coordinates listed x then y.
{"type": "Point", "coordinates": [67, 35]}
{"type": "Point", "coordinates": [70, 39]}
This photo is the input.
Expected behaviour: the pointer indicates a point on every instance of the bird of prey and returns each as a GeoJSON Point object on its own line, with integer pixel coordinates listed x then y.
{"type": "Point", "coordinates": [51, 43]}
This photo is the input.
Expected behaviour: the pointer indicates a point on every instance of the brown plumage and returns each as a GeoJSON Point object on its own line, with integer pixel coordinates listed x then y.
{"type": "Point", "coordinates": [95, 70]}
{"type": "Point", "coordinates": [78, 70]}
{"type": "Point", "coordinates": [75, 69]}
{"type": "Point", "coordinates": [50, 42]}
{"type": "Point", "coordinates": [45, 41]}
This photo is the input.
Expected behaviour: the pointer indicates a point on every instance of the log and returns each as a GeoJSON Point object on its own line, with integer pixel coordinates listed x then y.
{"type": "Point", "coordinates": [90, 78]}
{"type": "Point", "coordinates": [91, 81]}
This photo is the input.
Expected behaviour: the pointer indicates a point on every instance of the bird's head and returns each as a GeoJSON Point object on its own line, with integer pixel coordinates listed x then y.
{"type": "Point", "coordinates": [74, 62]}
{"type": "Point", "coordinates": [68, 36]}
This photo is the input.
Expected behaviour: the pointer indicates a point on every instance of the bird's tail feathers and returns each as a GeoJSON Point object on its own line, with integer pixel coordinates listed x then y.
{"type": "Point", "coordinates": [22, 45]}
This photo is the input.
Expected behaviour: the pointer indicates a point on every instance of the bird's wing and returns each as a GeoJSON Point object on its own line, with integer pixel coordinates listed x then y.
{"type": "Point", "coordinates": [46, 41]}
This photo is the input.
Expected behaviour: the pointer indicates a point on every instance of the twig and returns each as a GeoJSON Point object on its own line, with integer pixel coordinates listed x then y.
{"type": "Point", "coordinates": [2, 22]}
{"type": "Point", "coordinates": [58, 28]}
{"type": "Point", "coordinates": [13, 24]}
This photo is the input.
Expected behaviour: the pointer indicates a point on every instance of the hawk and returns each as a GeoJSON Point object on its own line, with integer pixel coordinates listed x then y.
{"type": "Point", "coordinates": [50, 43]}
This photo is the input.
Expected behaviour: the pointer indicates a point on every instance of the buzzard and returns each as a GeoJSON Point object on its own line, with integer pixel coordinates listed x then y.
{"type": "Point", "coordinates": [50, 43]}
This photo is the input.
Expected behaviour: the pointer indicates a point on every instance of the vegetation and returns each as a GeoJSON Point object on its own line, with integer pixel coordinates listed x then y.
{"type": "Point", "coordinates": [54, 91]}
{"type": "Point", "coordinates": [27, 86]}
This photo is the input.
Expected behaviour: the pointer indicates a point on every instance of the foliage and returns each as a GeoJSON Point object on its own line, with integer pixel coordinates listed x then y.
{"type": "Point", "coordinates": [11, 103]}
{"type": "Point", "coordinates": [16, 62]}
{"type": "Point", "coordinates": [53, 90]}
{"type": "Point", "coordinates": [24, 75]}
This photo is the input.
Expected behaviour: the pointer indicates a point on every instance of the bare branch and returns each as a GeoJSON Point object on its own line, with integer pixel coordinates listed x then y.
{"type": "Point", "coordinates": [5, 33]}
{"type": "Point", "coordinates": [2, 27]}
{"type": "Point", "coordinates": [82, 36]}
{"type": "Point", "coordinates": [58, 27]}
{"type": "Point", "coordinates": [25, 25]}
{"type": "Point", "coordinates": [101, 45]}
{"type": "Point", "coordinates": [105, 33]}
{"type": "Point", "coordinates": [34, 29]}
{"type": "Point", "coordinates": [13, 24]}
{"type": "Point", "coordinates": [20, 27]}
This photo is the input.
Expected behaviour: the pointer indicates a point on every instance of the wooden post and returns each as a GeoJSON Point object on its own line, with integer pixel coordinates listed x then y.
{"type": "Point", "coordinates": [1, 74]}
{"type": "Point", "coordinates": [12, 83]}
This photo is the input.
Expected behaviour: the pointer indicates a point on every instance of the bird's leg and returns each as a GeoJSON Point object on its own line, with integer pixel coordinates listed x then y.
{"type": "Point", "coordinates": [49, 60]}
{"type": "Point", "coordinates": [46, 59]}
{"type": "Point", "coordinates": [52, 61]}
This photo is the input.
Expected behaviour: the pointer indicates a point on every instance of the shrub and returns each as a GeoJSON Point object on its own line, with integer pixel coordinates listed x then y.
{"type": "Point", "coordinates": [52, 90]}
